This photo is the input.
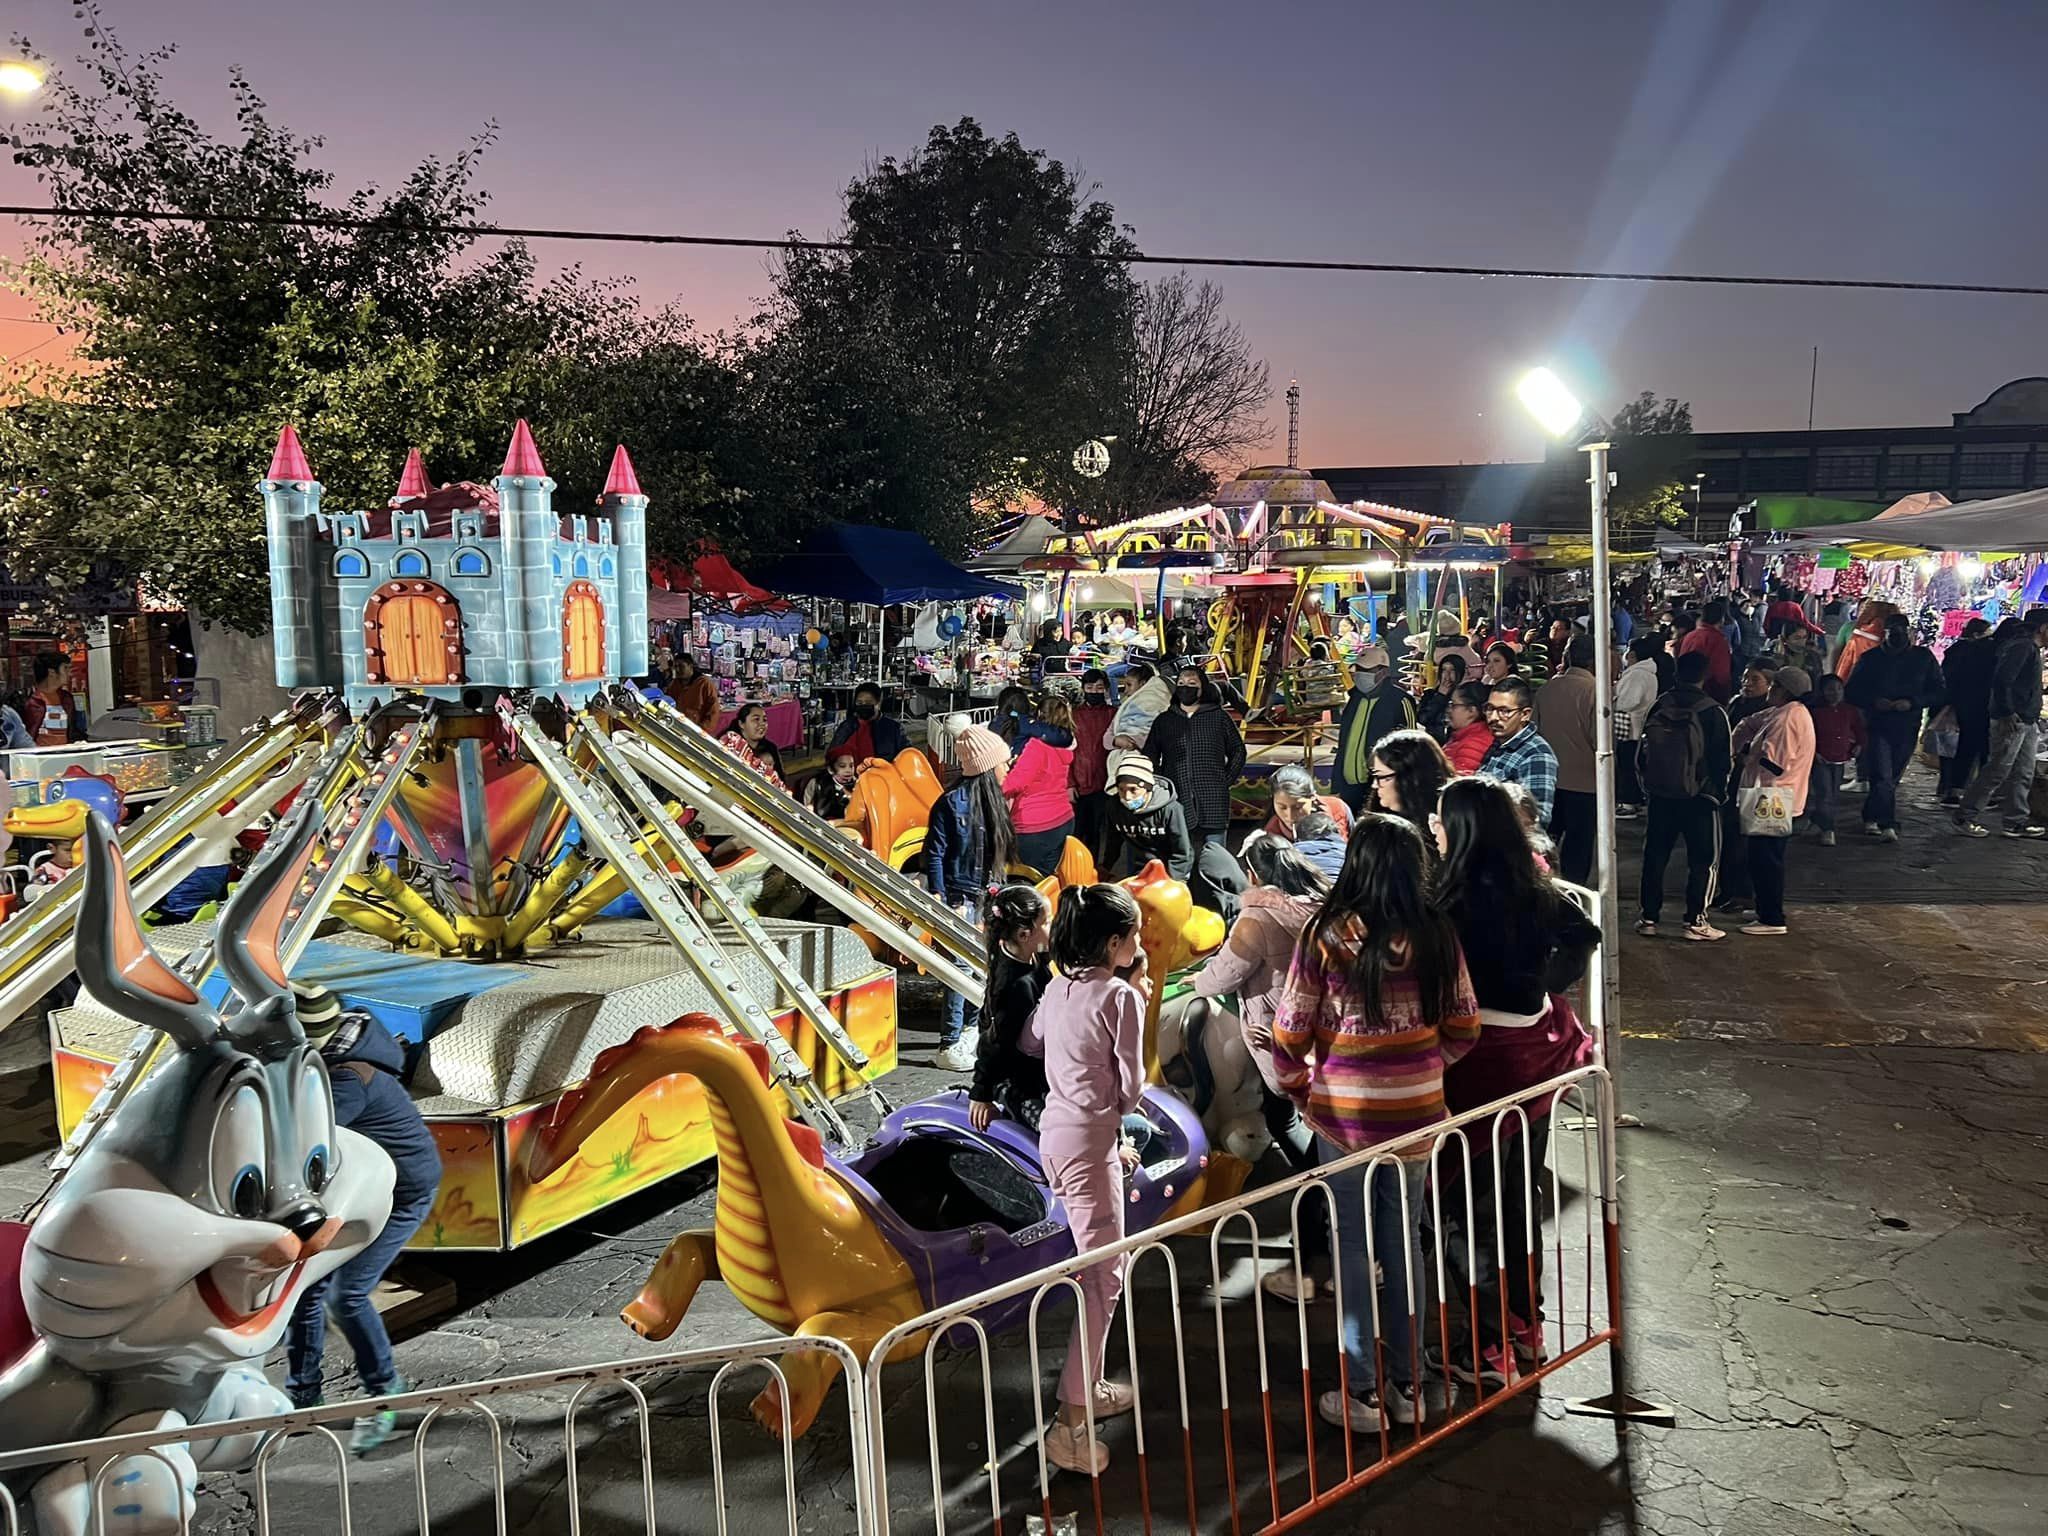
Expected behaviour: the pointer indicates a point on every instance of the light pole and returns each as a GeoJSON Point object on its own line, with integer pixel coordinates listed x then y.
{"type": "Point", "coordinates": [1558, 411]}
{"type": "Point", "coordinates": [1698, 484]}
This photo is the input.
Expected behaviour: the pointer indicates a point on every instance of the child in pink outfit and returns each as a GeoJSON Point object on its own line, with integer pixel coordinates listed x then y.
{"type": "Point", "coordinates": [1091, 1022]}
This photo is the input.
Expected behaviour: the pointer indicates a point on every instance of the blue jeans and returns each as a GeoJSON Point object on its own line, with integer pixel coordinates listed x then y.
{"type": "Point", "coordinates": [347, 1293]}
{"type": "Point", "coordinates": [960, 1016]}
{"type": "Point", "coordinates": [1398, 1250]}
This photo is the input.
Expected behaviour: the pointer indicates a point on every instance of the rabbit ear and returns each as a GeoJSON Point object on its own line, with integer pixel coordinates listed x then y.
{"type": "Point", "coordinates": [252, 923]}
{"type": "Point", "coordinates": [116, 964]}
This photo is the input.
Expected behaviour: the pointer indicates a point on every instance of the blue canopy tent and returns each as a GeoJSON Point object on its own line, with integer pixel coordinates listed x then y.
{"type": "Point", "coordinates": [877, 566]}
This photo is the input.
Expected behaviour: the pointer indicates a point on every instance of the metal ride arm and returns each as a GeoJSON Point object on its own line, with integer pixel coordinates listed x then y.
{"type": "Point", "coordinates": [351, 821]}
{"type": "Point", "coordinates": [43, 933]}
{"type": "Point", "coordinates": [850, 900]}
{"type": "Point", "coordinates": [698, 868]}
{"type": "Point", "coordinates": [910, 903]}
{"type": "Point", "coordinates": [595, 808]}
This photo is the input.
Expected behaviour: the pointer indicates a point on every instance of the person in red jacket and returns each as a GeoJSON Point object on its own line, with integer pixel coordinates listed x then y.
{"type": "Point", "coordinates": [1093, 718]}
{"type": "Point", "coordinates": [1038, 785]}
{"type": "Point", "coordinates": [1839, 738]}
{"type": "Point", "coordinates": [1707, 639]}
{"type": "Point", "coordinates": [1471, 737]}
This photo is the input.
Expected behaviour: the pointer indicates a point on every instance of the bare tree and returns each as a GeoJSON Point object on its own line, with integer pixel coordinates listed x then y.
{"type": "Point", "coordinates": [1185, 401]}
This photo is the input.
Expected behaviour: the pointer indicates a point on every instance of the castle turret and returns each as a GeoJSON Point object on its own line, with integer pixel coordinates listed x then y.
{"type": "Point", "coordinates": [626, 505]}
{"type": "Point", "coordinates": [526, 531]}
{"type": "Point", "coordinates": [291, 506]}
{"type": "Point", "coordinates": [412, 480]}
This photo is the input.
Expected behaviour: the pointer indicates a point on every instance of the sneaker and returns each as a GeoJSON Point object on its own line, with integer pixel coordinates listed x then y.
{"type": "Point", "coordinates": [1279, 1284]}
{"type": "Point", "coordinates": [1492, 1375]}
{"type": "Point", "coordinates": [373, 1429]}
{"type": "Point", "coordinates": [1068, 1447]}
{"type": "Point", "coordinates": [1647, 927]}
{"type": "Point", "coordinates": [957, 1057]}
{"type": "Point", "coordinates": [1732, 906]}
{"type": "Point", "coordinates": [1887, 834]}
{"type": "Point", "coordinates": [2029, 830]}
{"type": "Point", "coordinates": [1703, 932]}
{"type": "Point", "coordinates": [1827, 838]}
{"type": "Point", "coordinates": [1952, 800]}
{"type": "Point", "coordinates": [1871, 829]}
{"type": "Point", "coordinates": [1374, 1411]}
{"type": "Point", "coordinates": [1764, 930]}
{"type": "Point", "coordinates": [1628, 812]}
{"type": "Point", "coordinates": [1969, 828]}
{"type": "Point", "coordinates": [1113, 1399]}
{"type": "Point", "coordinates": [1530, 1350]}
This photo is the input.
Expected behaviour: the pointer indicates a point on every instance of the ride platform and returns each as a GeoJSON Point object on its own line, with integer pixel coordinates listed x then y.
{"type": "Point", "coordinates": [493, 1049]}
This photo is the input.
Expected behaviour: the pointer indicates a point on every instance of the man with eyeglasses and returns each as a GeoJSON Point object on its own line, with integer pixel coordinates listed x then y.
{"type": "Point", "coordinates": [1378, 707]}
{"type": "Point", "coordinates": [1518, 755]}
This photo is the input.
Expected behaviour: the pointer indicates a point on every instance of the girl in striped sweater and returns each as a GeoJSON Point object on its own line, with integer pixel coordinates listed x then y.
{"type": "Point", "coordinates": [1377, 1003]}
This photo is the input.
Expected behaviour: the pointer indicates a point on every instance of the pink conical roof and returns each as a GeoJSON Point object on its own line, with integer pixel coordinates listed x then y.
{"type": "Point", "coordinates": [289, 462]}
{"type": "Point", "coordinates": [522, 458]}
{"type": "Point", "coordinates": [413, 481]}
{"type": "Point", "coordinates": [622, 481]}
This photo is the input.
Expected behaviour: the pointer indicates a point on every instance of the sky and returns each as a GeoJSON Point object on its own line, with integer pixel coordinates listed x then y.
{"type": "Point", "coordinates": [1840, 138]}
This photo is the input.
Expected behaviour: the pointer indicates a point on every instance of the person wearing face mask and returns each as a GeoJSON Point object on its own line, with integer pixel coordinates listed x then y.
{"type": "Point", "coordinates": [1144, 821]}
{"type": "Point", "coordinates": [1092, 720]}
{"type": "Point", "coordinates": [828, 793]}
{"type": "Point", "coordinates": [1197, 746]}
{"type": "Point", "coordinates": [1377, 708]}
{"type": "Point", "coordinates": [866, 732]}
{"type": "Point", "coordinates": [1893, 684]}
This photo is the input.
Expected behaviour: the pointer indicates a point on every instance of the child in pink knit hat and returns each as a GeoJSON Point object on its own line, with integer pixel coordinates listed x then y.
{"type": "Point", "coordinates": [968, 848]}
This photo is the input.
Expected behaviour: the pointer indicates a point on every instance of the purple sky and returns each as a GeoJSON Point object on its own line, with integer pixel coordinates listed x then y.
{"type": "Point", "coordinates": [1812, 137]}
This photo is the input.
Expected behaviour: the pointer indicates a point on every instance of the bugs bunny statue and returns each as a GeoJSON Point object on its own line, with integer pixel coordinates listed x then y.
{"type": "Point", "coordinates": [170, 1257]}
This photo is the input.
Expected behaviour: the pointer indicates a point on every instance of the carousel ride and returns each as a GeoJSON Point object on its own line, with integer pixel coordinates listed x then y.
{"type": "Point", "coordinates": [471, 785]}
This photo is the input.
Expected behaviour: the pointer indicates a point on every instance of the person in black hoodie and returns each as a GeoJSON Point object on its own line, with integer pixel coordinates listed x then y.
{"type": "Point", "coordinates": [1145, 819]}
{"type": "Point", "coordinates": [1525, 943]}
{"type": "Point", "coordinates": [1966, 674]}
{"type": "Point", "coordinates": [2015, 714]}
{"type": "Point", "coordinates": [363, 1064]}
{"type": "Point", "coordinates": [1197, 747]}
{"type": "Point", "coordinates": [1893, 684]}
{"type": "Point", "coordinates": [1008, 1078]}
{"type": "Point", "coordinates": [1684, 765]}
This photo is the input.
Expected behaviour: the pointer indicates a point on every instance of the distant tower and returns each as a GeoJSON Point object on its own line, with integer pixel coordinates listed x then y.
{"type": "Point", "coordinates": [626, 505]}
{"type": "Point", "coordinates": [291, 510]}
{"type": "Point", "coordinates": [526, 531]}
{"type": "Point", "coordinates": [1294, 423]}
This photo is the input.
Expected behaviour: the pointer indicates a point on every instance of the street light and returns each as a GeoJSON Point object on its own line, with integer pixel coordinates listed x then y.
{"type": "Point", "coordinates": [1698, 484]}
{"type": "Point", "coordinates": [1559, 412]}
{"type": "Point", "coordinates": [19, 78]}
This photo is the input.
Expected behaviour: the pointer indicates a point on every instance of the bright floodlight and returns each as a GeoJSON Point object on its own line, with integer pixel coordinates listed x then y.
{"type": "Point", "coordinates": [20, 79]}
{"type": "Point", "coordinates": [1543, 395]}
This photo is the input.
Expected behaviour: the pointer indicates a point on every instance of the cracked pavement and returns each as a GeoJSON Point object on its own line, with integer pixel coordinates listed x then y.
{"type": "Point", "coordinates": [1835, 1232]}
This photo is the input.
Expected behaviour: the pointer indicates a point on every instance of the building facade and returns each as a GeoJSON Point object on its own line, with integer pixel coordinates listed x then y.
{"type": "Point", "coordinates": [1996, 448]}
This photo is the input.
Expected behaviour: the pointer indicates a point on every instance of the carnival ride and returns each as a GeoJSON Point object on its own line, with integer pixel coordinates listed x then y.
{"type": "Point", "coordinates": [458, 657]}
{"type": "Point", "coordinates": [931, 1211]}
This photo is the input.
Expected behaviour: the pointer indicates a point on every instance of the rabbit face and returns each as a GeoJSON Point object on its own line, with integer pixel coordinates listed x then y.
{"type": "Point", "coordinates": [194, 1223]}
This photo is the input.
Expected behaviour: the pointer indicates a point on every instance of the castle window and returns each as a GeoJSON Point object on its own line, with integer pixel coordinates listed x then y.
{"type": "Point", "coordinates": [606, 568]}
{"type": "Point", "coordinates": [471, 562]}
{"type": "Point", "coordinates": [583, 565]}
{"type": "Point", "coordinates": [409, 562]}
{"type": "Point", "coordinates": [350, 562]}
{"type": "Point", "coordinates": [556, 561]}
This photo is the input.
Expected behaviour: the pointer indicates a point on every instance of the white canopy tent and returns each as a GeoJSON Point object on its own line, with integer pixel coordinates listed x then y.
{"type": "Point", "coordinates": [2011, 523]}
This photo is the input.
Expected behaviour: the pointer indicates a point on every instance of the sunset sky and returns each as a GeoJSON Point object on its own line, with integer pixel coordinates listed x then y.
{"type": "Point", "coordinates": [1880, 138]}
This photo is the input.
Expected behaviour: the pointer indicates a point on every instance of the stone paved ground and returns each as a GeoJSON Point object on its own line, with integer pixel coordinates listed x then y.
{"type": "Point", "coordinates": [1836, 1228]}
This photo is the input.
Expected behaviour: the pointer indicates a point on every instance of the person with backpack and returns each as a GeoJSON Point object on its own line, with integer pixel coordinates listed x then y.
{"type": "Point", "coordinates": [1684, 763]}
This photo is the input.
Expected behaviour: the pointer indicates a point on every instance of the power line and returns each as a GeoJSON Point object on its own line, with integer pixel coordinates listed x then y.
{"type": "Point", "coordinates": [1266, 263]}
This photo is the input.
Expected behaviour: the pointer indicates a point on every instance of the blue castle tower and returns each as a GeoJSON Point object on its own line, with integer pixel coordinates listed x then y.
{"type": "Point", "coordinates": [462, 588]}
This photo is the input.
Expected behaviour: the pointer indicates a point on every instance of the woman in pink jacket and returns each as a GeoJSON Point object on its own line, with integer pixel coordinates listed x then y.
{"type": "Point", "coordinates": [1039, 785]}
{"type": "Point", "coordinates": [1775, 747]}
{"type": "Point", "coordinates": [1285, 891]}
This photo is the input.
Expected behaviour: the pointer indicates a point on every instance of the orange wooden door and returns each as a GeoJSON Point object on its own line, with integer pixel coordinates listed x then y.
{"type": "Point", "coordinates": [582, 634]}
{"type": "Point", "coordinates": [412, 640]}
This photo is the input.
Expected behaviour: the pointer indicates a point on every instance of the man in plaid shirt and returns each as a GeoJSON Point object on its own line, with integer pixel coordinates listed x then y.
{"type": "Point", "coordinates": [1518, 755]}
